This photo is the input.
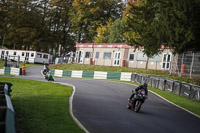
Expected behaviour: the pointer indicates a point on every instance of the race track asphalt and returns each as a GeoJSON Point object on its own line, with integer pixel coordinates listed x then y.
{"type": "Point", "coordinates": [101, 108]}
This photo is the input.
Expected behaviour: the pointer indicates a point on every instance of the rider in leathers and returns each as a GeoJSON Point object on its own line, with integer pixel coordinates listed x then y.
{"type": "Point", "coordinates": [144, 86]}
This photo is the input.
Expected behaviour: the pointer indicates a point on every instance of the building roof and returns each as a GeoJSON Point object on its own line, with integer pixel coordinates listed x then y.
{"type": "Point", "coordinates": [23, 50]}
{"type": "Point", "coordinates": [103, 45]}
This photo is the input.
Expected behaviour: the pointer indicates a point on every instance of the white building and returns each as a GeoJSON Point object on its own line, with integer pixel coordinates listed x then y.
{"type": "Point", "coordinates": [25, 56]}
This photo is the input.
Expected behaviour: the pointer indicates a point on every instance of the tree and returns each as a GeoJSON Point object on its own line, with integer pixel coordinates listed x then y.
{"type": "Point", "coordinates": [173, 23]}
{"type": "Point", "coordinates": [112, 32]}
{"type": "Point", "coordinates": [90, 14]}
{"type": "Point", "coordinates": [181, 24]}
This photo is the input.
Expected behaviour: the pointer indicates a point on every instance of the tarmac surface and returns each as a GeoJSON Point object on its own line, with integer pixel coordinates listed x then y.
{"type": "Point", "coordinates": [101, 108]}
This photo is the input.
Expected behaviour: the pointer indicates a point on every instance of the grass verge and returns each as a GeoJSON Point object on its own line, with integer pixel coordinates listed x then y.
{"type": "Point", "coordinates": [41, 107]}
{"type": "Point", "coordinates": [191, 105]}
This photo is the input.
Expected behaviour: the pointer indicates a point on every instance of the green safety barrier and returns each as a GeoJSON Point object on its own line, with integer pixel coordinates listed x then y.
{"type": "Point", "coordinates": [52, 71]}
{"type": "Point", "coordinates": [67, 73]}
{"type": "Point", "coordinates": [88, 74]}
{"type": "Point", "coordinates": [114, 75]}
{"type": "Point", "coordinates": [10, 121]}
{"type": "Point", "coordinates": [7, 70]}
{"type": "Point", "coordinates": [8, 89]}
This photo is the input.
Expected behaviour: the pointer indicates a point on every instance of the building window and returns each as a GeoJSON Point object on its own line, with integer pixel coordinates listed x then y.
{"type": "Point", "coordinates": [7, 52]}
{"type": "Point", "coordinates": [107, 55]}
{"type": "Point", "coordinates": [39, 55]}
{"type": "Point", "coordinates": [131, 56]}
{"type": "Point", "coordinates": [22, 53]}
{"type": "Point", "coordinates": [141, 56]}
{"type": "Point", "coordinates": [15, 53]}
{"type": "Point", "coordinates": [45, 56]}
{"type": "Point", "coordinates": [97, 55]}
{"type": "Point", "coordinates": [88, 54]}
{"type": "Point", "coordinates": [155, 58]}
{"type": "Point", "coordinates": [32, 54]}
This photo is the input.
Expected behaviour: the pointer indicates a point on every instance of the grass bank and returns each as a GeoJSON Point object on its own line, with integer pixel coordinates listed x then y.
{"type": "Point", "coordinates": [166, 74]}
{"type": "Point", "coordinates": [41, 107]}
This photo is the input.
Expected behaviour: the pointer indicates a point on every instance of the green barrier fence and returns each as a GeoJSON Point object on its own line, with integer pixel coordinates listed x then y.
{"type": "Point", "coordinates": [88, 74]}
{"type": "Point", "coordinates": [67, 73]}
{"type": "Point", "coordinates": [7, 70]}
{"type": "Point", "coordinates": [114, 75]}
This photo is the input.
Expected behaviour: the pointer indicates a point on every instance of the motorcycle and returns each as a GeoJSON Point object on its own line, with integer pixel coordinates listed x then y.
{"type": "Point", "coordinates": [48, 76]}
{"type": "Point", "coordinates": [136, 102]}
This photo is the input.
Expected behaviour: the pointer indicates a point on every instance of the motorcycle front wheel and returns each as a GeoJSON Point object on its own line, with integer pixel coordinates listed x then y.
{"type": "Point", "coordinates": [137, 106]}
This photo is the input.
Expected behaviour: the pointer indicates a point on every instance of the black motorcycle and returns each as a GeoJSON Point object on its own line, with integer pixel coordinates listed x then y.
{"type": "Point", "coordinates": [136, 102]}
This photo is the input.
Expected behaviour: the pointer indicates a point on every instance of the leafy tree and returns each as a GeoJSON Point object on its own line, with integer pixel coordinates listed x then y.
{"type": "Point", "coordinates": [173, 23]}
{"type": "Point", "coordinates": [88, 15]}
{"type": "Point", "coordinates": [113, 32]}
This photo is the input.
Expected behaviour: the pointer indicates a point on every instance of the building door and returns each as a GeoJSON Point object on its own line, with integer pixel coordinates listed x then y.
{"type": "Point", "coordinates": [166, 61]}
{"type": "Point", "coordinates": [80, 57]}
{"type": "Point", "coordinates": [27, 56]}
{"type": "Point", "coordinates": [117, 58]}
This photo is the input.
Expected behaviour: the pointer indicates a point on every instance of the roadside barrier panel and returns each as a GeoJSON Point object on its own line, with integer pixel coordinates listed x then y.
{"type": "Point", "coordinates": [67, 73]}
{"type": "Point", "coordinates": [169, 85]}
{"type": "Point", "coordinates": [7, 122]}
{"type": "Point", "coordinates": [52, 72]}
{"type": "Point", "coordinates": [161, 84]}
{"type": "Point", "coordinates": [1, 71]}
{"type": "Point", "coordinates": [195, 93]}
{"type": "Point", "coordinates": [177, 87]}
{"type": "Point", "coordinates": [126, 76]}
{"type": "Point", "coordinates": [114, 75]}
{"type": "Point", "coordinates": [7, 70]}
{"type": "Point", "coordinates": [77, 74]}
{"type": "Point", "coordinates": [154, 82]}
{"type": "Point", "coordinates": [144, 79]}
{"type": "Point", "coordinates": [133, 76]}
{"type": "Point", "coordinates": [15, 71]}
{"type": "Point", "coordinates": [185, 90]}
{"type": "Point", "coordinates": [88, 74]}
{"type": "Point", "coordinates": [58, 73]}
{"type": "Point", "coordinates": [100, 75]}
{"type": "Point", "coordinates": [138, 78]}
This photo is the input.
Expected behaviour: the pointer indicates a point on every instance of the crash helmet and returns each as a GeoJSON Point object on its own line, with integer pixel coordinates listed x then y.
{"type": "Point", "coordinates": [145, 85]}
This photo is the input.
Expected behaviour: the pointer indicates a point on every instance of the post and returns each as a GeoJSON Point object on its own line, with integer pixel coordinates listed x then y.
{"type": "Point", "coordinates": [191, 67]}
{"type": "Point", "coordinates": [181, 65]}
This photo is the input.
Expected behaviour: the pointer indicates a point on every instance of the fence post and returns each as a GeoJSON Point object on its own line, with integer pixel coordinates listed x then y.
{"type": "Point", "coordinates": [181, 65]}
{"type": "Point", "coordinates": [191, 67]}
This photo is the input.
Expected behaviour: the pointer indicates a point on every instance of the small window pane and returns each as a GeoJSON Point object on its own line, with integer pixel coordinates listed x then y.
{"type": "Point", "coordinates": [97, 55]}
{"type": "Point", "coordinates": [45, 56]}
{"type": "Point", "coordinates": [88, 54]}
{"type": "Point", "coordinates": [39, 55]}
{"type": "Point", "coordinates": [22, 53]}
{"type": "Point", "coordinates": [107, 55]}
{"type": "Point", "coordinates": [131, 57]}
{"type": "Point", "coordinates": [15, 53]}
{"type": "Point", "coordinates": [32, 54]}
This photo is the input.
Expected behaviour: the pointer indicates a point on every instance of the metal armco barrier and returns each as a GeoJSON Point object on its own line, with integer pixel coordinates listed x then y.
{"type": "Point", "coordinates": [179, 88]}
{"type": "Point", "coordinates": [7, 122]}
{"type": "Point", "coordinates": [195, 93]}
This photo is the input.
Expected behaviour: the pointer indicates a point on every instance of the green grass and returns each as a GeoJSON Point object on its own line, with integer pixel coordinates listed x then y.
{"type": "Point", "coordinates": [41, 107]}
{"type": "Point", "coordinates": [20, 64]}
{"type": "Point", "coordinates": [194, 80]}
